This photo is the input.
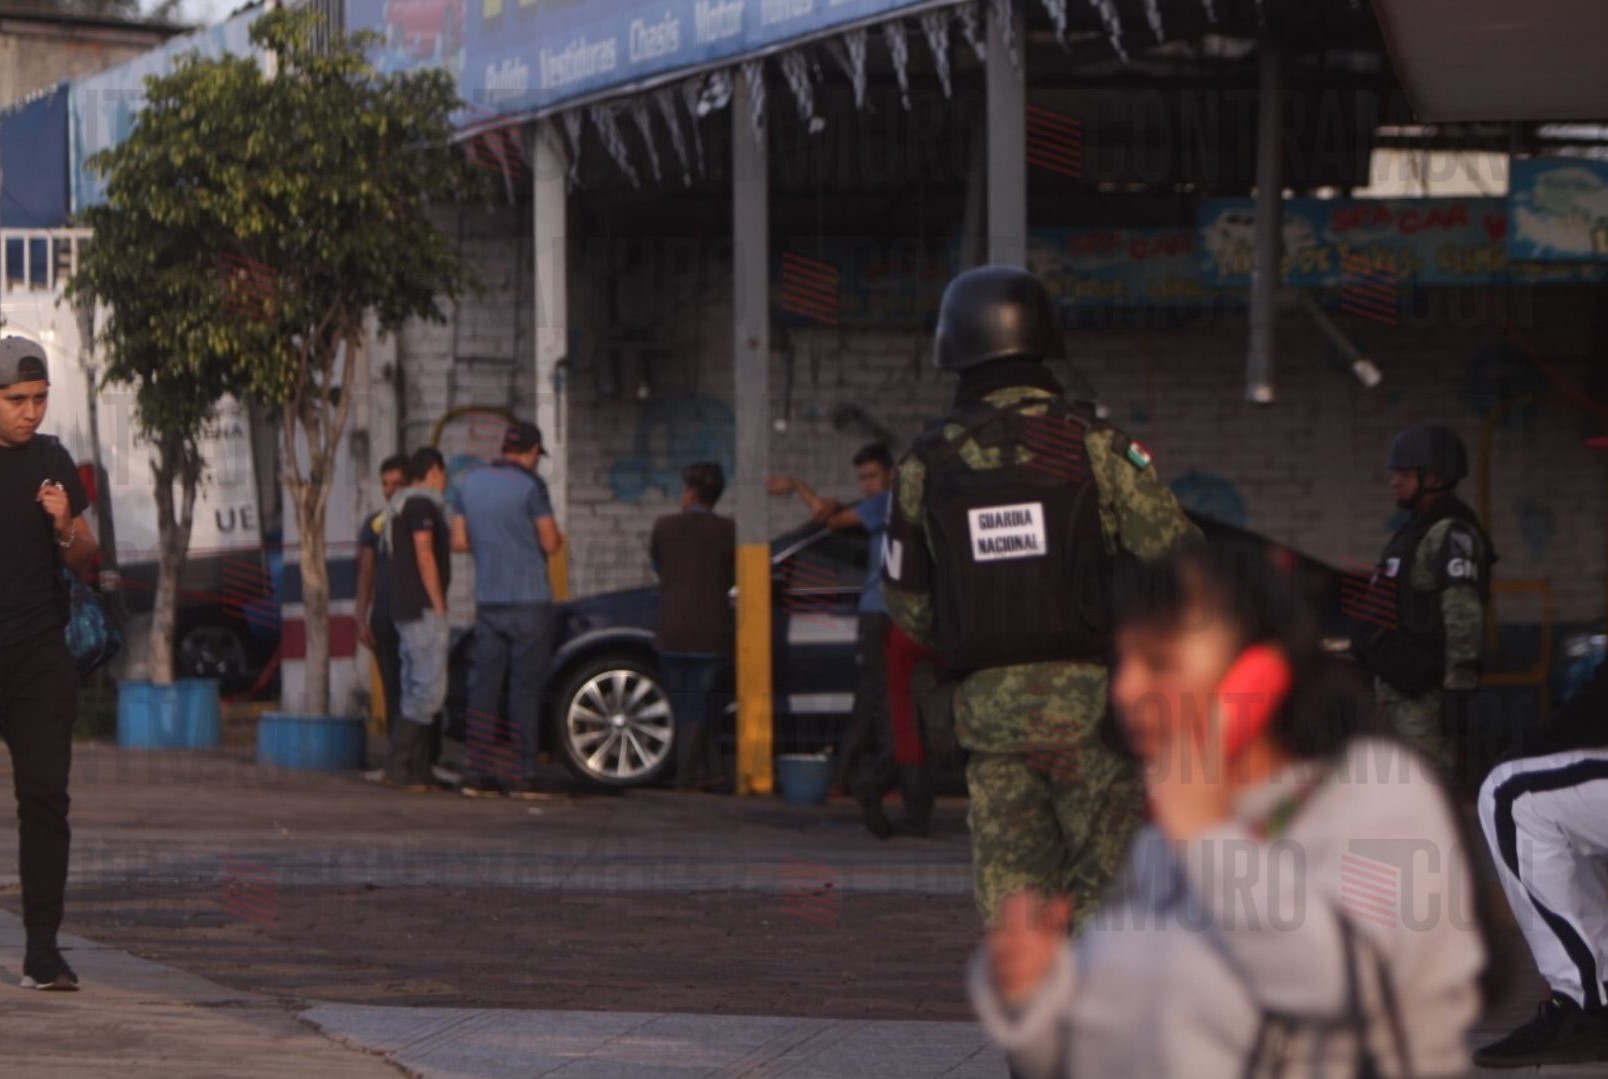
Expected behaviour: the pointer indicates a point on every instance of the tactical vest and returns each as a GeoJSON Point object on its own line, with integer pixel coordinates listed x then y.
{"type": "Point", "coordinates": [1021, 571]}
{"type": "Point", "coordinates": [1411, 655]}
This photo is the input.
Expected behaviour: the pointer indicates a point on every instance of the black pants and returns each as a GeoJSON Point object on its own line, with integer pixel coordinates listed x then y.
{"type": "Point", "coordinates": [388, 654]}
{"type": "Point", "coordinates": [38, 706]}
{"type": "Point", "coordinates": [869, 725]}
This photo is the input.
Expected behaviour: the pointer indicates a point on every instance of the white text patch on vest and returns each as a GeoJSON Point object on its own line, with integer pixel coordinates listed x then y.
{"type": "Point", "coordinates": [999, 532]}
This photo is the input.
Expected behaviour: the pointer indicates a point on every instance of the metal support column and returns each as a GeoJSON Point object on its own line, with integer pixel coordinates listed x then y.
{"type": "Point", "coordinates": [1267, 275]}
{"type": "Point", "coordinates": [751, 359]}
{"type": "Point", "coordinates": [1007, 142]}
{"type": "Point", "coordinates": [551, 196]}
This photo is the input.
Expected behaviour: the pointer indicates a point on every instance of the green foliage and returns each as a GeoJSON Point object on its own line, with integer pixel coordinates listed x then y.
{"type": "Point", "coordinates": [256, 217]}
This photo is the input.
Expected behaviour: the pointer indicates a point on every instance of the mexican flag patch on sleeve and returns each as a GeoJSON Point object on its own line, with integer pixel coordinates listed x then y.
{"type": "Point", "coordinates": [1138, 456]}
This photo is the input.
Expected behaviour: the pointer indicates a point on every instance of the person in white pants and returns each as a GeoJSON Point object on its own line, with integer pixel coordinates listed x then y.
{"type": "Point", "coordinates": [1545, 817]}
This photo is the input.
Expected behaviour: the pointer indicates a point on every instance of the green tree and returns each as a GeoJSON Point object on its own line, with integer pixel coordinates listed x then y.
{"type": "Point", "coordinates": [293, 196]}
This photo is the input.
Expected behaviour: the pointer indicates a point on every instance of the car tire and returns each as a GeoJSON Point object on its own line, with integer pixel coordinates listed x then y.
{"type": "Point", "coordinates": [208, 650]}
{"type": "Point", "coordinates": [612, 721]}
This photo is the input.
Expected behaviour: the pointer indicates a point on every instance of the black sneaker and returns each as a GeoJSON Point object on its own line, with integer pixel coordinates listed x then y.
{"type": "Point", "coordinates": [1561, 1033]}
{"type": "Point", "coordinates": [49, 971]}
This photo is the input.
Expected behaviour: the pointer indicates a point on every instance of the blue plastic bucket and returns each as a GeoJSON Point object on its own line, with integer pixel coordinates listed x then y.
{"type": "Point", "coordinates": [320, 743]}
{"type": "Point", "coordinates": [803, 778]}
{"type": "Point", "coordinates": [203, 716]}
{"type": "Point", "coordinates": [149, 716]}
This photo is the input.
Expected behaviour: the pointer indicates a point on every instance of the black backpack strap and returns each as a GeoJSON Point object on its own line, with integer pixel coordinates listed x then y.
{"type": "Point", "coordinates": [1368, 1065]}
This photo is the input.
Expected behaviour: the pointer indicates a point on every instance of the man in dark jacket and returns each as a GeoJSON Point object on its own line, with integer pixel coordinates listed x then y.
{"type": "Point", "coordinates": [375, 627]}
{"type": "Point", "coordinates": [42, 530]}
{"type": "Point", "coordinates": [694, 552]}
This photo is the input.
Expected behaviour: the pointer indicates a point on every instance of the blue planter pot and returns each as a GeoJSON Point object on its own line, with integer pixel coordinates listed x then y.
{"type": "Point", "coordinates": [184, 715]}
{"type": "Point", "coordinates": [149, 716]}
{"type": "Point", "coordinates": [803, 778]}
{"type": "Point", "coordinates": [319, 743]}
{"type": "Point", "coordinates": [203, 715]}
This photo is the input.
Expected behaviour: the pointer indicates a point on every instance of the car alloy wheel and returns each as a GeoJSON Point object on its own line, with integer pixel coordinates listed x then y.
{"type": "Point", "coordinates": [619, 726]}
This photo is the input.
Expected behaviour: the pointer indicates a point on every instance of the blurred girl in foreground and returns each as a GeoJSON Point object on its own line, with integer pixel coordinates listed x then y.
{"type": "Point", "coordinates": [1300, 904]}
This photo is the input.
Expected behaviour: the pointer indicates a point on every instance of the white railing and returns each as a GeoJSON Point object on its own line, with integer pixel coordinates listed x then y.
{"type": "Point", "coordinates": [39, 259]}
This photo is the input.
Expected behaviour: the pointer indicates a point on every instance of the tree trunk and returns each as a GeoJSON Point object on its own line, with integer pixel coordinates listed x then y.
{"type": "Point", "coordinates": [176, 463]}
{"type": "Point", "coordinates": [315, 597]}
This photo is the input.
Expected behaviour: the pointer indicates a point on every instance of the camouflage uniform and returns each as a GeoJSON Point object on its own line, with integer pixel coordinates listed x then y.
{"type": "Point", "coordinates": [1418, 719]}
{"type": "Point", "coordinates": [1053, 806]}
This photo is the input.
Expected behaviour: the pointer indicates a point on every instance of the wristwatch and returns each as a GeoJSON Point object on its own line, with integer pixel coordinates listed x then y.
{"type": "Point", "coordinates": [72, 536]}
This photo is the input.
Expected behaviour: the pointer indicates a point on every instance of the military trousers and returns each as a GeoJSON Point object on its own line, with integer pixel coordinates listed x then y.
{"type": "Point", "coordinates": [1058, 821]}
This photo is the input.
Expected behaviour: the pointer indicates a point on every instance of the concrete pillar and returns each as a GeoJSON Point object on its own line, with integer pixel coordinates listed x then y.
{"type": "Point", "coordinates": [1007, 143]}
{"type": "Point", "coordinates": [550, 167]}
{"type": "Point", "coordinates": [751, 360]}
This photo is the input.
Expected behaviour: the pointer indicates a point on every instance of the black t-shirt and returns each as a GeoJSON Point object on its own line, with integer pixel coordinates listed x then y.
{"type": "Point", "coordinates": [33, 601]}
{"type": "Point", "coordinates": [409, 600]}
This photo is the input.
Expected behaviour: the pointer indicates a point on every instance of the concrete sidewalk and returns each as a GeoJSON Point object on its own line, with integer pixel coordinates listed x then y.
{"type": "Point", "coordinates": [470, 1043]}
{"type": "Point", "coordinates": [136, 1019]}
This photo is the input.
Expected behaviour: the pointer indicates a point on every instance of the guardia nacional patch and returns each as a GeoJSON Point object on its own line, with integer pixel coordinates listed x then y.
{"type": "Point", "coordinates": [1138, 456]}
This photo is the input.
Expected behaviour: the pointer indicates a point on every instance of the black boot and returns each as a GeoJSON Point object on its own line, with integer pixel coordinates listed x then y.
{"type": "Point", "coordinates": [869, 790]}
{"type": "Point", "coordinates": [915, 786]}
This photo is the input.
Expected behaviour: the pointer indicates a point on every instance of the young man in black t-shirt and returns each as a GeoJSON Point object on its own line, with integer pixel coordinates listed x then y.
{"type": "Point", "coordinates": [42, 530]}
{"type": "Point", "coordinates": [421, 570]}
{"type": "Point", "coordinates": [375, 627]}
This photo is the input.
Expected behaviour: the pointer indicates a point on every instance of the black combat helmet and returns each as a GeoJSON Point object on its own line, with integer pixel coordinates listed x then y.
{"type": "Point", "coordinates": [1430, 448]}
{"type": "Point", "coordinates": [996, 313]}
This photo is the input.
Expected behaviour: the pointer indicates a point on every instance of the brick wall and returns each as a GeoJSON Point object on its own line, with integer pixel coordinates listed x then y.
{"type": "Point", "coordinates": [649, 388]}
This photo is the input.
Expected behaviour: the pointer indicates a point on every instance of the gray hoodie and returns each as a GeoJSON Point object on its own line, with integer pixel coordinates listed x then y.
{"type": "Point", "coordinates": [1175, 975]}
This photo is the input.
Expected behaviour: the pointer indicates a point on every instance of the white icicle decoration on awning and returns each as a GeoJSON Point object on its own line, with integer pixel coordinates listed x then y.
{"type": "Point", "coordinates": [1153, 14]}
{"type": "Point", "coordinates": [573, 130]}
{"type": "Point", "coordinates": [1007, 28]}
{"type": "Point", "coordinates": [1112, 22]}
{"type": "Point", "coordinates": [935, 24]}
{"type": "Point", "coordinates": [1056, 9]}
{"type": "Point", "coordinates": [603, 119]}
{"type": "Point", "coordinates": [665, 98]}
{"type": "Point", "coordinates": [644, 123]}
{"type": "Point", "coordinates": [754, 75]}
{"type": "Point", "coordinates": [796, 70]}
{"type": "Point", "coordinates": [971, 28]}
{"type": "Point", "coordinates": [899, 50]}
{"type": "Point", "coordinates": [849, 50]}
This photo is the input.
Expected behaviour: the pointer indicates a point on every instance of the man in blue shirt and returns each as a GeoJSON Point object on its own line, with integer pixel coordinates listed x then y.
{"type": "Point", "coordinates": [506, 521]}
{"type": "Point", "coordinates": [860, 765]}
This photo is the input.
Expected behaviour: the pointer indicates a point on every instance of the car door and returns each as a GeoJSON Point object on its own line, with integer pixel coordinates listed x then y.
{"type": "Point", "coordinates": [817, 578]}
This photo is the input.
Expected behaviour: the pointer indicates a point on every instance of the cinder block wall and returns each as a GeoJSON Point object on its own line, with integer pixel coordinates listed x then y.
{"type": "Point", "coordinates": [650, 388]}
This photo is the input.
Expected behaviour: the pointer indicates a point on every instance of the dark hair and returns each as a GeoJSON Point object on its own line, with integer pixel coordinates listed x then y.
{"type": "Point", "coordinates": [876, 452]}
{"type": "Point", "coordinates": [1257, 589]}
{"type": "Point", "coordinates": [423, 460]}
{"type": "Point", "coordinates": [706, 479]}
{"type": "Point", "coordinates": [397, 462]}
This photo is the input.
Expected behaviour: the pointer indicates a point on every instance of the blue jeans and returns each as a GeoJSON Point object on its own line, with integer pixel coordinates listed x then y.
{"type": "Point", "coordinates": [424, 667]}
{"type": "Point", "coordinates": [513, 645]}
{"type": "Point", "coordinates": [690, 681]}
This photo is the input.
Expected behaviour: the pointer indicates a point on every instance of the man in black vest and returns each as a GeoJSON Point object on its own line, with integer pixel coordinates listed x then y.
{"type": "Point", "coordinates": [1006, 518]}
{"type": "Point", "coordinates": [1419, 632]}
{"type": "Point", "coordinates": [42, 530]}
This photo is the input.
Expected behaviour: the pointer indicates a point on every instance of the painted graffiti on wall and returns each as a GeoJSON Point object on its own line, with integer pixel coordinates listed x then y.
{"type": "Point", "coordinates": [672, 432]}
{"type": "Point", "coordinates": [1211, 495]}
{"type": "Point", "coordinates": [1495, 376]}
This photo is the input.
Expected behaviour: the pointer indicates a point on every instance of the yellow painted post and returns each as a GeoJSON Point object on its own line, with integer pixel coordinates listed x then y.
{"type": "Point", "coordinates": [754, 738]}
{"type": "Point", "coordinates": [558, 573]}
{"type": "Point", "coordinates": [751, 400]}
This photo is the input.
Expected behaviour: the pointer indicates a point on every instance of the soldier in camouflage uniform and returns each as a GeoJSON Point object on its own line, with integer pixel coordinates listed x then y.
{"type": "Point", "coordinates": [1007, 518]}
{"type": "Point", "coordinates": [1424, 620]}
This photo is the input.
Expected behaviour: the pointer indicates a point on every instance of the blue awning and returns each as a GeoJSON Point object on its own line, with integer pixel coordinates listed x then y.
{"type": "Point", "coordinates": [33, 162]}
{"type": "Point", "coordinates": [519, 58]}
